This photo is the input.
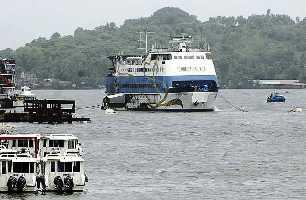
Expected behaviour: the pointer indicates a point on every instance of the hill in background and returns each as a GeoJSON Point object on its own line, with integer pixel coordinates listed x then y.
{"type": "Point", "coordinates": [265, 46]}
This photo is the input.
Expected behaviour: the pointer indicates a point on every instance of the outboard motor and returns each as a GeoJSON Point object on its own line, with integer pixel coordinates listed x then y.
{"type": "Point", "coordinates": [12, 184]}
{"type": "Point", "coordinates": [86, 178]}
{"type": "Point", "coordinates": [68, 184]}
{"type": "Point", "coordinates": [58, 182]}
{"type": "Point", "coordinates": [21, 183]}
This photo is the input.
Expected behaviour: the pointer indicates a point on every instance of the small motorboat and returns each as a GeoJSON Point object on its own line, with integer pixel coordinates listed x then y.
{"type": "Point", "coordinates": [25, 94]}
{"type": "Point", "coordinates": [276, 97]}
{"type": "Point", "coordinates": [295, 109]}
{"type": "Point", "coordinates": [110, 111]}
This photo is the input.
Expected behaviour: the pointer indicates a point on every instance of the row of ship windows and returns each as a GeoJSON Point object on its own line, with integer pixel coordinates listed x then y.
{"type": "Point", "coordinates": [18, 167]}
{"type": "Point", "coordinates": [183, 69]}
{"type": "Point", "coordinates": [139, 85]}
{"type": "Point", "coordinates": [29, 143]}
{"type": "Point", "coordinates": [189, 57]}
{"type": "Point", "coordinates": [66, 166]}
{"type": "Point", "coordinates": [164, 57]}
{"type": "Point", "coordinates": [28, 167]}
{"type": "Point", "coordinates": [208, 56]}
{"type": "Point", "coordinates": [142, 70]}
{"type": "Point", "coordinates": [130, 62]}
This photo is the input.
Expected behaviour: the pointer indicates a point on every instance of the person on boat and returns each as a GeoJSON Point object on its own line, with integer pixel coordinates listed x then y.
{"type": "Point", "coordinates": [40, 179]}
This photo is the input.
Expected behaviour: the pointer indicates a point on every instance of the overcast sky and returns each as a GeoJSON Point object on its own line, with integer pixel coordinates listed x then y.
{"type": "Point", "coordinates": [23, 20]}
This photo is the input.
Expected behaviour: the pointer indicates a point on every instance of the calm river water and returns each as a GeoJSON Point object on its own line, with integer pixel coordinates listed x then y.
{"type": "Point", "coordinates": [226, 154]}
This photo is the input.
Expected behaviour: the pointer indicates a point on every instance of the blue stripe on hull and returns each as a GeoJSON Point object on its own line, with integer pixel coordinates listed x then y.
{"type": "Point", "coordinates": [162, 82]}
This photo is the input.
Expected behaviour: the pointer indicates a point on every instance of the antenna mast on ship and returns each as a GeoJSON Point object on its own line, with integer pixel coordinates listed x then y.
{"type": "Point", "coordinates": [146, 40]}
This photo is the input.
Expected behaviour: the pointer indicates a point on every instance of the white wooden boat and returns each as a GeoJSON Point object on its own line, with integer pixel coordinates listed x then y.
{"type": "Point", "coordinates": [32, 162]}
{"type": "Point", "coordinates": [18, 171]}
{"type": "Point", "coordinates": [64, 173]}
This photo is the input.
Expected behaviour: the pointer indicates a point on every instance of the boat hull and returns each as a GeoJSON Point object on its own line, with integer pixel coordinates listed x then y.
{"type": "Point", "coordinates": [169, 102]}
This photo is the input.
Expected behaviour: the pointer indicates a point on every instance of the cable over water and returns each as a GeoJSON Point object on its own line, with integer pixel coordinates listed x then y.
{"type": "Point", "coordinates": [233, 105]}
{"type": "Point", "coordinates": [89, 107]}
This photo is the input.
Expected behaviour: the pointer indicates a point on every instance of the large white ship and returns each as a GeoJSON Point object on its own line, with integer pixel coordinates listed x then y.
{"type": "Point", "coordinates": [179, 78]}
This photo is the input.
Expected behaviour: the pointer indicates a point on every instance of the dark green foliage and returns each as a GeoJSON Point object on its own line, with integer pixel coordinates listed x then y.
{"type": "Point", "coordinates": [264, 46]}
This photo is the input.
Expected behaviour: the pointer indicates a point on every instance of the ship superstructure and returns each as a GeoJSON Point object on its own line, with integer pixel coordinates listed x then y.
{"type": "Point", "coordinates": [7, 82]}
{"type": "Point", "coordinates": [179, 78]}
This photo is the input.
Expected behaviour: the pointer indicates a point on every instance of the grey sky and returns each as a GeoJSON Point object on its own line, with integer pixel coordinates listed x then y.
{"type": "Point", "coordinates": [23, 20]}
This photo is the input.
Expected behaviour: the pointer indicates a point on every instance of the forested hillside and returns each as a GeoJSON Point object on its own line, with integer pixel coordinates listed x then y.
{"type": "Point", "coordinates": [267, 46]}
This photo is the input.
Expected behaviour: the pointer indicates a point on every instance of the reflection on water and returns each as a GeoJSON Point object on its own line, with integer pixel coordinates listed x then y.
{"type": "Point", "coordinates": [219, 155]}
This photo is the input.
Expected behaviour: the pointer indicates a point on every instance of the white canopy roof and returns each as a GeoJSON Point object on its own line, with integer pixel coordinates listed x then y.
{"type": "Point", "coordinates": [60, 137]}
{"type": "Point", "coordinates": [17, 136]}
{"type": "Point", "coordinates": [24, 159]}
{"type": "Point", "coordinates": [64, 158]}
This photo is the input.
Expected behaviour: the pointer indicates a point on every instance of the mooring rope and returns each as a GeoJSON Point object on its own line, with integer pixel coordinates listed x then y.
{"type": "Point", "coordinates": [233, 105]}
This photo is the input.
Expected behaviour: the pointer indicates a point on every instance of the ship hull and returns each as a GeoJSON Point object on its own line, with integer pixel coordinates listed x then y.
{"type": "Point", "coordinates": [167, 102]}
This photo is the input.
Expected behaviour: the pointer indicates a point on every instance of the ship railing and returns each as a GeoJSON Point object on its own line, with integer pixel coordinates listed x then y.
{"type": "Point", "coordinates": [160, 50]}
{"type": "Point", "coordinates": [177, 50]}
{"type": "Point", "coordinates": [198, 50]}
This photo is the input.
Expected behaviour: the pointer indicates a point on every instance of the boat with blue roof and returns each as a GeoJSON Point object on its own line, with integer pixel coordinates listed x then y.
{"type": "Point", "coordinates": [276, 97]}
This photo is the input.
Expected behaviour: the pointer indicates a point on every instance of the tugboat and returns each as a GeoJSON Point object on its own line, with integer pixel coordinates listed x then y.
{"type": "Point", "coordinates": [276, 97]}
{"type": "Point", "coordinates": [178, 78]}
{"type": "Point", "coordinates": [7, 83]}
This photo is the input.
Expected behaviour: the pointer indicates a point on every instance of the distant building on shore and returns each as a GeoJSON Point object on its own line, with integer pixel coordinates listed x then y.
{"type": "Point", "coordinates": [278, 84]}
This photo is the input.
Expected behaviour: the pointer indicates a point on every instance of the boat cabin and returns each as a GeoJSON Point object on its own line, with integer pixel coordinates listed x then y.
{"type": "Point", "coordinates": [17, 172]}
{"type": "Point", "coordinates": [66, 171]}
{"type": "Point", "coordinates": [59, 143]}
{"type": "Point", "coordinates": [21, 143]}
{"type": "Point", "coordinates": [40, 145]}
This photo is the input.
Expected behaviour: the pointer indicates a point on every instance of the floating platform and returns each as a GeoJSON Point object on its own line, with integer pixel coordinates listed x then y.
{"type": "Point", "coordinates": [44, 111]}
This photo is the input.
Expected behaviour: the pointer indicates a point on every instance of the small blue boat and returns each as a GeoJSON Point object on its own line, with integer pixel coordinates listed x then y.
{"type": "Point", "coordinates": [276, 97]}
